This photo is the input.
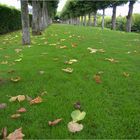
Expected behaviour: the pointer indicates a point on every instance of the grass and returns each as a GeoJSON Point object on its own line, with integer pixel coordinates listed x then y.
{"type": "Point", "coordinates": [112, 107]}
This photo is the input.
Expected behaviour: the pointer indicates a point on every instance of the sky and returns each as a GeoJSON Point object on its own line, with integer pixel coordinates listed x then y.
{"type": "Point", "coordinates": [121, 10]}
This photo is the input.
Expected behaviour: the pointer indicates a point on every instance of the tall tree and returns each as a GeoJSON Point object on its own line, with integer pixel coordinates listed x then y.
{"type": "Point", "coordinates": [129, 16]}
{"type": "Point", "coordinates": [25, 22]}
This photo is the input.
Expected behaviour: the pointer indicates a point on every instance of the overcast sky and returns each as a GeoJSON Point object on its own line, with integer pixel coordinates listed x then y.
{"type": "Point", "coordinates": [121, 10]}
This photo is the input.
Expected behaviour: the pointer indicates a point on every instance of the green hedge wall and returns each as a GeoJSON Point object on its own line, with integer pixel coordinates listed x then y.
{"type": "Point", "coordinates": [10, 19]}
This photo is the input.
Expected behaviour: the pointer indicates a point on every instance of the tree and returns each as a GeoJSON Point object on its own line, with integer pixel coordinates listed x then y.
{"type": "Point", "coordinates": [129, 16]}
{"type": "Point", "coordinates": [25, 22]}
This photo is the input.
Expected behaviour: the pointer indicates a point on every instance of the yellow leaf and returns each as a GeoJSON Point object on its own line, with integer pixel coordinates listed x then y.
{"type": "Point", "coordinates": [15, 116]}
{"type": "Point", "coordinates": [21, 98]}
{"type": "Point", "coordinates": [68, 70]}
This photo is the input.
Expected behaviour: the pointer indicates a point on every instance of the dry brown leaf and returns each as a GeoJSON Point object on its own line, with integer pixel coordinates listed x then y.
{"type": "Point", "coordinates": [4, 133]}
{"type": "Point", "coordinates": [21, 98]}
{"type": "Point", "coordinates": [36, 100]}
{"type": "Point", "coordinates": [15, 79]}
{"type": "Point", "coordinates": [74, 45]}
{"type": "Point", "coordinates": [28, 98]}
{"type": "Point", "coordinates": [63, 47]}
{"type": "Point", "coordinates": [16, 135]}
{"type": "Point", "coordinates": [74, 127]}
{"type": "Point", "coordinates": [21, 110]}
{"type": "Point", "coordinates": [3, 106]}
{"type": "Point", "coordinates": [126, 74]}
{"type": "Point", "coordinates": [92, 50]}
{"type": "Point", "coordinates": [55, 122]}
{"type": "Point", "coordinates": [111, 60]}
{"type": "Point", "coordinates": [15, 116]}
{"type": "Point", "coordinates": [4, 62]}
{"type": "Point", "coordinates": [13, 99]}
{"type": "Point", "coordinates": [97, 78]}
{"type": "Point", "coordinates": [68, 70]}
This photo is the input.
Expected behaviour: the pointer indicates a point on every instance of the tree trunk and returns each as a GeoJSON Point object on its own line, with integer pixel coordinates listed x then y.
{"type": "Point", "coordinates": [82, 20]}
{"type": "Point", "coordinates": [45, 15]}
{"type": "Point", "coordinates": [36, 18]}
{"type": "Point", "coordinates": [89, 19]}
{"type": "Point", "coordinates": [103, 19]}
{"type": "Point", "coordinates": [129, 16]}
{"type": "Point", "coordinates": [95, 18]}
{"type": "Point", "coordinates": [25, 22]}
{"type": "Point", "coordinates": [114, 17]}
{"type": "Point", "coordinates": [85, 22]}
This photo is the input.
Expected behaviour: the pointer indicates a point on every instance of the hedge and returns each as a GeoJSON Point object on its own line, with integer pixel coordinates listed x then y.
{"type": "Point", "coordinates": [10, 19]}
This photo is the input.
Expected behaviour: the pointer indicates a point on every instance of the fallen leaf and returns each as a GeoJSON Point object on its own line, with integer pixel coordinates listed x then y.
{"type": "Point", "coordinates": [28, 98]}
{"type": "Point", "coordinates": [18, 60]}
{"type": "Point", "coordinates": [41, 72]}
{"type": "Point", "coordinates": [11, 71]}
{"type": "Point", "coordinates": [71, 61]}
{"type": "Point", "coordinates": [4, 133]}
{"type": "Point", "coordinates": [52, 44]}
{"type": "Point", "coordinates": [15, 116]}
{"type": "Point", "coordinates": [74, 127]}
{"type": "Point", "coordinates": [21, 110]}
{"type": "Point", "coordinates": [74, 45]}
{"type": "Point", "coordinates": [111, 60]}
{"type": "Point", "coordinates": [15, 79]}
{"type": "Point", "coordinates": [4, 62]}
{"type": "Point", "coordinates": [92, 50]}
{"type": "Point", "coordinates": [126, 74]}
{"type": "Point", "coordinates": [16, 135]}
{"type": "Point", "coordinates": [36, 100]}
{"type": "Point", "coordinates": [18, 50]}
{"type": "Point", "coordinates": [77, 115]}
{"type": "Point", "coordinates": [97, 78]}
{"type": "Point", "coordinates": [55, 122]}
{"type": "Point", "coordinates": [63, 47]}
{"type": "Point", "coordinates": [62, 40]}
{"type": "Point", "coordinates": [3, 106]}
{"type": "Point", "coordinates": [21, 98]}
{"type": "Point", "coordinates": [13, 99]}
{"type": "Point", "coordinates": [68, 70]}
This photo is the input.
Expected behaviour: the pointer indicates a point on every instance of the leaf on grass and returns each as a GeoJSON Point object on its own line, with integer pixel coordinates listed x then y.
{"type": "Point", "coordinates": [18, 50]}
{"type": "Point", "coordinates": [41, 72]}
{"type": "Point", "coordinates": [3, 106]}
{"type": "Point", "coordinates": [21, 110]}
{"type": "Point", "coordinates": [4, 62]}
{"type": "Point", "coordinates": [18, 60]}
{"type": "Point", "coordinates": [28, 98]}
{"type": "Point", "coordinates": [68, 70]}
{"type": "Point", "coordinates": [20, 98]}
{"type": "Point", "coordinates": [126, 74]}
{"type": "Point", "coordinates": [36, 100]}
{"type": "Point", "coordinates": [15, 116]}
{"type": "Point", "coordinates": [62, 40]}
{"type": "Point", "coordinates": [15, 79]}
{"type": "Point", "coordinates": [63, 47]}
{"type": "Point", "coordinates": [55, 59]}
{"type": "Point", "coordinates": [55, 122]}
{"type": "Point", "coordinates": [111, 60]}
{"type": "Point", "coordinates": [16, 135]}
{"type": "Point", "coordinates": [52, 44]}
{"type": "Point", "coordinates": [71, 61]}
{"type": "Point", "coordinates": [74, 45]}
{"type": "Point", "coordinates": [77, 115]}
{"type": "Point", "coordinates": [74, 127]}
{"type": "Point", "coordinates": [11, 71]}
{"type": "Point", "coordinates": [92, 50]}
{"type": "Point", "coordinates": [97, 78]}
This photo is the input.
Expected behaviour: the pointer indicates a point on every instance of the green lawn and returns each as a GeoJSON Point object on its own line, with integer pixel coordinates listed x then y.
{"type": "Point", "coordinates": [112, 107]}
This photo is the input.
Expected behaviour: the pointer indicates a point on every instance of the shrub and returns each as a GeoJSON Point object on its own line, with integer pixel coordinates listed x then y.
{"type": "Point", "coordinates": [10, 19]}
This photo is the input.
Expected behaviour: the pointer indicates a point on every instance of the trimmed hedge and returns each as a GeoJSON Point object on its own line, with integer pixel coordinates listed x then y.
{"type": "Point", "coordinates": [10, 19]}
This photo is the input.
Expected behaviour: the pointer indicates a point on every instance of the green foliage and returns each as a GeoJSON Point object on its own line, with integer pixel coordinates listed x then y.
{"type": "Point", "coordinates": [10, 19]}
